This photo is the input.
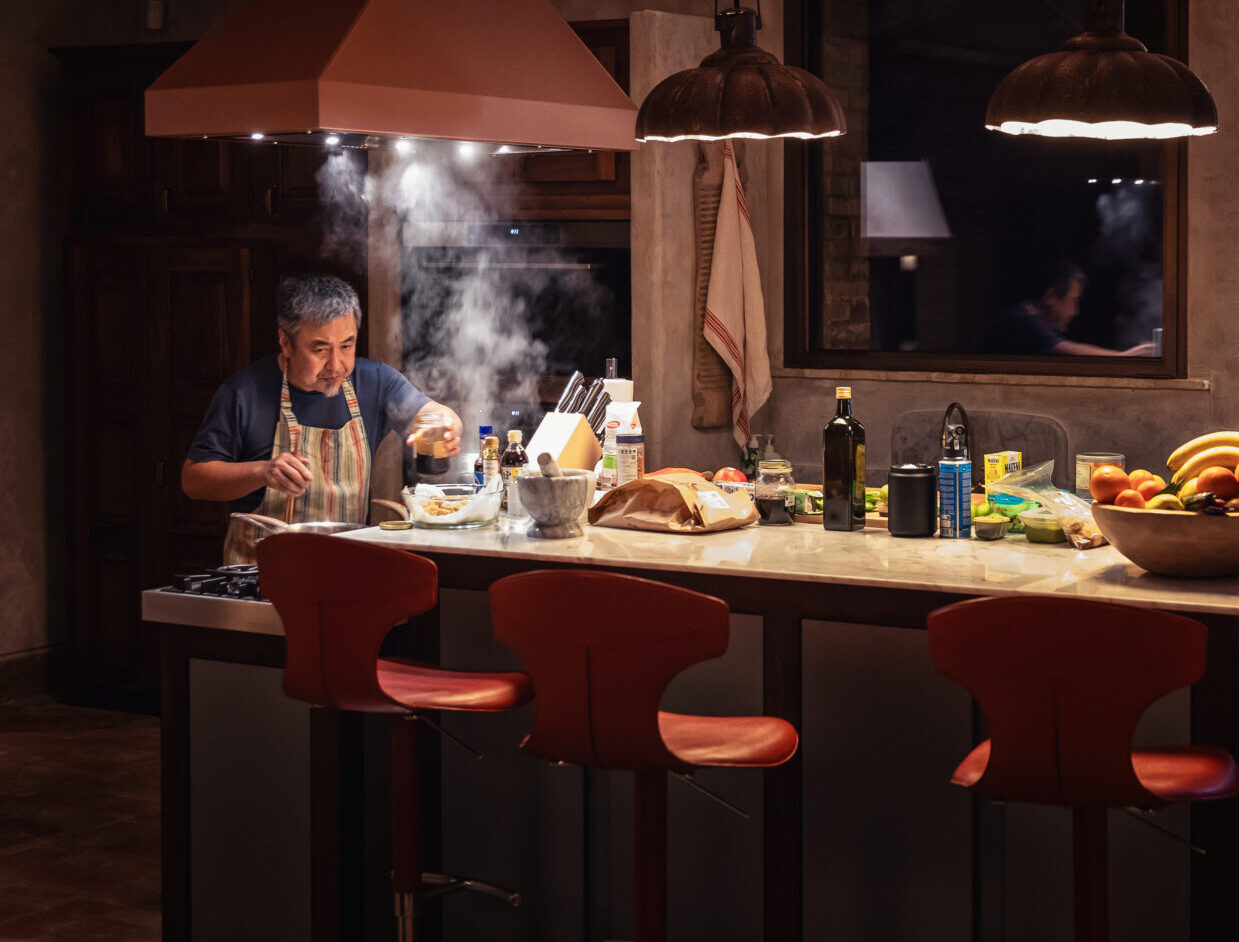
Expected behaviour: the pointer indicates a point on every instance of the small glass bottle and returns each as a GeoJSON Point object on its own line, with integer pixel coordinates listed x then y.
{"type": "Point", "coordinates": [490, 458]}
{"type": "Point", "coordinates": [429, 429]}
{"type": "Point", "coordinates": [483, 432]}
{"type": "Point", "coordinates": [774, 492]}
{"type": "Point", "coordinates": [510, 465]}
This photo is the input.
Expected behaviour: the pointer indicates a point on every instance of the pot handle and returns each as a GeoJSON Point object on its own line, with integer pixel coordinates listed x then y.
{"type": "Point", "coordinates": [392, 505]}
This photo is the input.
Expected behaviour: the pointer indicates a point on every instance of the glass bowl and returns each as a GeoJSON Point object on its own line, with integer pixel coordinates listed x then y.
{"type": "Point", "coordinates": [454, 506]}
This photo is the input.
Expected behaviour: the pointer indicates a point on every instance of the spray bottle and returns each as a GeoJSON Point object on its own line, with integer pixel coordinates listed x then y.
{"type": "Point", "coordinates": [955, 478]}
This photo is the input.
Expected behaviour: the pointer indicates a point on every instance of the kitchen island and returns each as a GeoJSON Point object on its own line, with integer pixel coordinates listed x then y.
{"type": "Point", "coordinates": [861, 836]}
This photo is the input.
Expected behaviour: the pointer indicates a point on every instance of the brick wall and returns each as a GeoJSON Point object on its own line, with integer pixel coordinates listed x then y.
{"type": "Point", "coordinates": [845, 61]}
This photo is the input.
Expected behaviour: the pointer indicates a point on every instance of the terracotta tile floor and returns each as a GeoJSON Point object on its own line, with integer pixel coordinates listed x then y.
{"type": "Point", "coordinates": [79, 824]}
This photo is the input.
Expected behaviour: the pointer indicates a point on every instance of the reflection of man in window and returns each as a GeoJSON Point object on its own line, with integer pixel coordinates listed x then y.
{"type": "Point", "coordinates": [1038, 327]}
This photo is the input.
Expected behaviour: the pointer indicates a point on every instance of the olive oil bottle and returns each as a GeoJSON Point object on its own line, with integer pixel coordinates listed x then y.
{"type": "Point", "coordinates": [843, 467]}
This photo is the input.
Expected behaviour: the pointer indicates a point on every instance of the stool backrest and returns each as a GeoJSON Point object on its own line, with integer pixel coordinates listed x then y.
{"type": "Point", "coordinates": [1062, 683]}
{"type": "Point", "coordinates": [600, 649]}
{"type": "Point", "coordinates": [338, 599]}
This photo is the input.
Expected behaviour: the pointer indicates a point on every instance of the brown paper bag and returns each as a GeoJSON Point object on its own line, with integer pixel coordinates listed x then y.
{"type": "Point", "coordinates": [673, 503]}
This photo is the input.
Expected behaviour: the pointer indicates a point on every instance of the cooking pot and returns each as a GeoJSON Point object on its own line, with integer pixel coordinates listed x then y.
{"type": "Point", "coordinates": [247, 530]}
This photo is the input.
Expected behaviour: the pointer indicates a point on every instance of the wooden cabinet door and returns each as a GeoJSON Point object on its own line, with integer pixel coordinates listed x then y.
{"type": "Point", "coordinates": [579, 185]}
{"type": "Point", "coordinates": [108, 477]}
{"type": "Point", "coordinates": [284, 184]}
{"type": "Point", "coordinates": [199, 182]}
{"type": "Point", "coordinates": [201, 323]}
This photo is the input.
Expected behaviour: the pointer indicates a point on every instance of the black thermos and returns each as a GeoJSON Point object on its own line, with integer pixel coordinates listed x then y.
{"type": "Point", "coordinates": [912, 500]}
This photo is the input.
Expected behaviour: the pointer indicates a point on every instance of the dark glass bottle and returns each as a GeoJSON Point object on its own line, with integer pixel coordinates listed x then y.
{"type": "Point", "coordinates": [511, 464]}
{"type": "Point", "coordinates": [483, 432]}
{"type": "Point", "coordinates": [843, 467]}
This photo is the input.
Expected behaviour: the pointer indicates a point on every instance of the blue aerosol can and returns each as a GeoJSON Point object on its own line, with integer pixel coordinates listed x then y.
{"type": "Point", "coordinates": [955, 478]}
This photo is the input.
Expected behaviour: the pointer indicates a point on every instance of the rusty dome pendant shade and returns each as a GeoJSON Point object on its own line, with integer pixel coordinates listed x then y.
{"type": "Point", "coordinates": [739, 91]}
{"type": "Point", "coordinates": [1105, 85]}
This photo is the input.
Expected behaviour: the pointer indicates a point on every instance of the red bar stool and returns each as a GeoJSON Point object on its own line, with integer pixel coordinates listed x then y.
{"type": "Point", "coordinates": [600, 649]}
{"type": "Point", "coordinates": [1062, 683]}
{"type": "Point", "coordinates": [338, 599]}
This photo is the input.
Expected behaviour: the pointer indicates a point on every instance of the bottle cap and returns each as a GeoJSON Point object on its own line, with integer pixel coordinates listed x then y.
{"type": "Point", "coordinates": [492, 441]}
{"type": "Point", "coordinates": [484, 430]}
{"type": "Point", "coordinates": [515, 435]}
{"type": "Point", "coordinates": [843, 392]}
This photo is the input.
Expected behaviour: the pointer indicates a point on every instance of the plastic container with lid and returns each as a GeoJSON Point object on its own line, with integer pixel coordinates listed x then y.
{"type": "Point", "coordinates": [774, 492]}
{"type": "Point", "coordinates": [1040, 526]}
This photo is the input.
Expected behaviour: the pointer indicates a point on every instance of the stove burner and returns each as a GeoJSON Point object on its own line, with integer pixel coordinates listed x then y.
{"type": "Point", "coordinates": [240, 582]}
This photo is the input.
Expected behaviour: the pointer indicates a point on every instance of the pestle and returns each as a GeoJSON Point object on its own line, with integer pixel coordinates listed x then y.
{"type": "Point", "coordinates": [549, 468]}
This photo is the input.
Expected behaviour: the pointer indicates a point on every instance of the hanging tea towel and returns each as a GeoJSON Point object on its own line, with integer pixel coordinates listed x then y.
{"type": "Point", "coordinates": [735, 320]}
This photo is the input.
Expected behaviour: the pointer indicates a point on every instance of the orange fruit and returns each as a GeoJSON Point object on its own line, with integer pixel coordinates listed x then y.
{"type": "Point", "coordinates": [1139, 476]}
{"type": "Point", "coordinates": [1129, 498]}
{"type": "Point", "coordinates": [1149, 488]}
{"type": "Point", "coordinates": [1106, 483]}
{"type": "Point", "coordinates": [1221, 481]}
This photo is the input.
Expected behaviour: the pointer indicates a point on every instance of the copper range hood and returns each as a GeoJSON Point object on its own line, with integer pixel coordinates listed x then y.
{"type": "Point", "coordinates": [370, 72]}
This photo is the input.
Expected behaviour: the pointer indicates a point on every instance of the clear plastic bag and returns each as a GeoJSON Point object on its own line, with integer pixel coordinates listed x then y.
{"type": "Point", "coordinates": [1073, 514]}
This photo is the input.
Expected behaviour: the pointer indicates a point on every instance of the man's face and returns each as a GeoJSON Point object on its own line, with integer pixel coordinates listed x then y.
{"type": "Point", "coordinates": [320, 358]}
{"type": "Point", "coordinates": [1063, 308]}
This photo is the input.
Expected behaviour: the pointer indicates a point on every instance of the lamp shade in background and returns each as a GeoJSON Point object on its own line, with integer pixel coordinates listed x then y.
{"type": "Point", "coordinates": [899, 205]}
{"type": "Point", "coordinates": [1105, 85]}
{"type": "Point", "coordinates": [740, 91]}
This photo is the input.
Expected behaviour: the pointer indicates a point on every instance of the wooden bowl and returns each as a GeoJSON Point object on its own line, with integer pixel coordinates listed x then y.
{"type": "Point", "coordinates": [1173, 542]}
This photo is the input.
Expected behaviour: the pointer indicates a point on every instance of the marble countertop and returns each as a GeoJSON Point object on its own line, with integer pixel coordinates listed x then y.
{"type": "Point", "coordinates": [871, 557]}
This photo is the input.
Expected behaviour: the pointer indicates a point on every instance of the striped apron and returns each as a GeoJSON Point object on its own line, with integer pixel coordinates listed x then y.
{"type": "Point", "coordinates": [339, 476]}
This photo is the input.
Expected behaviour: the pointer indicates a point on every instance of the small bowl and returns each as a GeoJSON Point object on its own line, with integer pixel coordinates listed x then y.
{"type": "Point", "coordinates": [1041, 527]}
{"type": "Point", "coordinates": [991, 527]}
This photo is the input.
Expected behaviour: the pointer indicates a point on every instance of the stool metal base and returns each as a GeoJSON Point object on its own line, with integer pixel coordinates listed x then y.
{"type": "Point", "coordinates": [435, 885]}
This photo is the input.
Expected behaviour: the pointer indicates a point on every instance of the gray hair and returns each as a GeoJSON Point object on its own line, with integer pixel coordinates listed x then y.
{"type": "Point", "coordinates": [314, 299]}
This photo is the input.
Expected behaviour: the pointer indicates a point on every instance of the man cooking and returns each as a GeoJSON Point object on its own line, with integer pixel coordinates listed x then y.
{"type": "Point", "coordinates": [293, 436]}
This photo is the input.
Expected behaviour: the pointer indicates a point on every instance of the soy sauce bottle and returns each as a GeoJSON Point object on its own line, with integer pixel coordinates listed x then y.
{"type": "Point", "coordinates": [843, 467]}
{"type": "Point", "coordinates": [511, 464]}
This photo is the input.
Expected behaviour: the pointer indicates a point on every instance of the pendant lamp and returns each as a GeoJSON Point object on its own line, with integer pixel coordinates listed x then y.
{"type": "Point", "coordinates": [1105, 85]}
{"type": "Point", "coordinates": [739, 91]}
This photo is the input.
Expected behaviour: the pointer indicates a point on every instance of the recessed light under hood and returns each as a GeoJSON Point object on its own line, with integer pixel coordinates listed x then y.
{"type": "Point", "coordinates": [368, 72]}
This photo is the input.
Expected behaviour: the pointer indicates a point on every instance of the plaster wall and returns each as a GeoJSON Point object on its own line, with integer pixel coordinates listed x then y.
{"type": "Point", "coordinates": [663, 255]}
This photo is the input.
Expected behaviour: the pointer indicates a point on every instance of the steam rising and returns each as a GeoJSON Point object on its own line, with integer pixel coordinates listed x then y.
{"type": "Point", "coordinates": [470, 313]}
{"type": "Point", "coordinates": [1129, 244]}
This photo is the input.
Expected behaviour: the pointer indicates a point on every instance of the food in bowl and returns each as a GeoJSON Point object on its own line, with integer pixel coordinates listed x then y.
{"type": "Point", "coordinates": [990, 527]}
{"type": "Point", "coordinates": [1040, 526]}
{"type": "Point", "coordinates": [454, 506]}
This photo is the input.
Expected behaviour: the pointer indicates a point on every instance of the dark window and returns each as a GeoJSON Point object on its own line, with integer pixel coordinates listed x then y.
{"type": "Point", "coordinates": [874, 281]}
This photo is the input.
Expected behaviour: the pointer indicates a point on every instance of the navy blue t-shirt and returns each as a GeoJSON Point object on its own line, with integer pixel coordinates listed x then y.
{"type": "Point", "coordinates": [240, 423]}
{"type": "Point", "coordinates": [1019, 330]}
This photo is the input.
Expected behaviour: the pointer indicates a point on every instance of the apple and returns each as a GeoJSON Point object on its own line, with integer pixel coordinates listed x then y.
{"type": "Point", "coordinates": [730, 474]}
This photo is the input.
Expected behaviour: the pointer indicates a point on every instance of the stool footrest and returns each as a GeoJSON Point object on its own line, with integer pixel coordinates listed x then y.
{"type": "Point", "coordinates": [435, 885]}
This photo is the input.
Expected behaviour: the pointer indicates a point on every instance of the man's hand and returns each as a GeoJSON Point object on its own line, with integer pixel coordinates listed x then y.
{"type": "Point", "coordinates": [453, 429]}
{"type": "Point", "coordinates": [287, 472]}
{"type": "Point", "coordinates": [1141, 350]}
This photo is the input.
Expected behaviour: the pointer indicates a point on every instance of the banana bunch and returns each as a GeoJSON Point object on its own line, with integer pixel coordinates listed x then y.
{"type": "Point", "coordinates": [1215, 450]}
